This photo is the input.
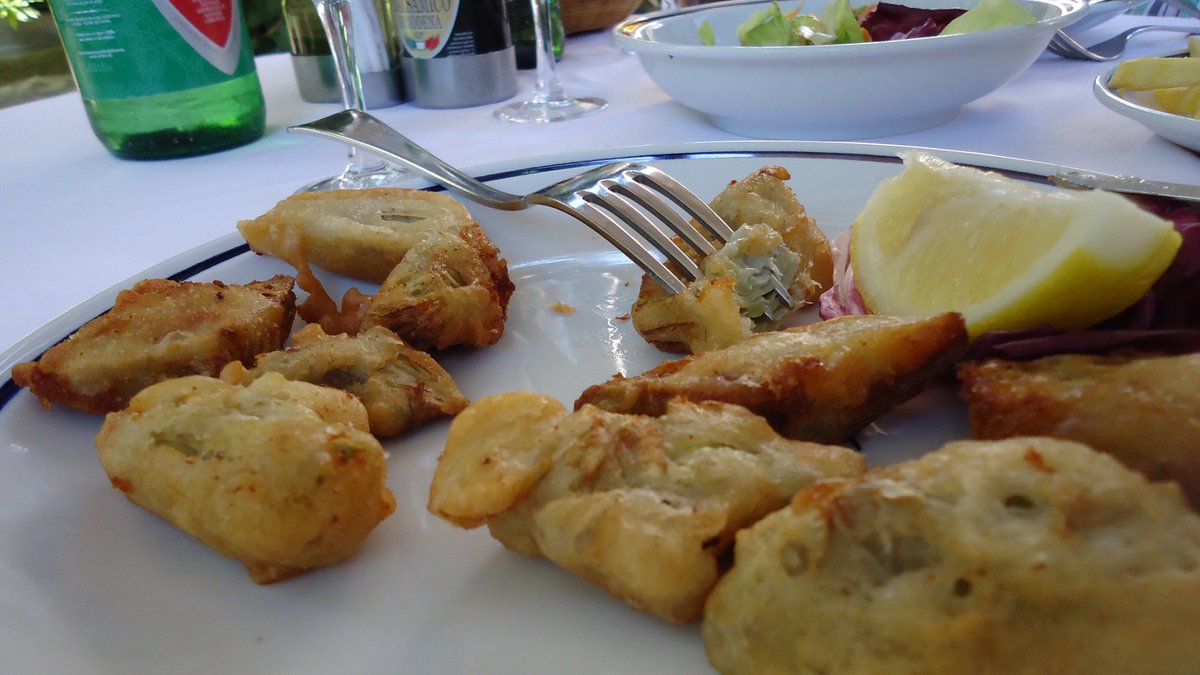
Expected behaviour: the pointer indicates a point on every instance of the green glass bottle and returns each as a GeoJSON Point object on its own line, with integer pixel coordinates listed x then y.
{"type": "Point", "coordinates": [171, 78]}
{"type": "Point", "coordinates": [520, 18]}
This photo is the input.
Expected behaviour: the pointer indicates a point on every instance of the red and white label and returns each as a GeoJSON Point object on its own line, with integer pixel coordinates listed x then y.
{"type": "Point", "coordinates": [212, 27]}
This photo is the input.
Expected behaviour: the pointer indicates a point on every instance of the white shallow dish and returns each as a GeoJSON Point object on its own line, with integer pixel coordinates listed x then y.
{"type": "Point", "coordinates": [90, 583]}
{"type": "Point", "coordinates": [1178, 129]}
{"type": "Point", "coordinates": [1098, 12]}
{"type": "Point", "coordinates": [832, 92]}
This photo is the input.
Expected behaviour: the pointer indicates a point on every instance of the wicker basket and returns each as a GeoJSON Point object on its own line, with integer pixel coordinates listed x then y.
{"type": "Point", "coordinates": [584, 15]}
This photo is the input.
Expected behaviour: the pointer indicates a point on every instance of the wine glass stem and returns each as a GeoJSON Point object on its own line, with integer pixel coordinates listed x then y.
{"type": "Point", "coordinates": [548, 88]}
{"type": "Point", "coordinates": [337, 20]}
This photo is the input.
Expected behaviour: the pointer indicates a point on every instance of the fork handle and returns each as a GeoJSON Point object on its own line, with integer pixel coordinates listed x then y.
{"type": "Point", "coordinates": [361, 130]}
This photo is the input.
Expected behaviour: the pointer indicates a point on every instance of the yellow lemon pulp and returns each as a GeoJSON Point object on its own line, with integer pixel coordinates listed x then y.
{"type": "Point", "coordinates": [1005, 254]}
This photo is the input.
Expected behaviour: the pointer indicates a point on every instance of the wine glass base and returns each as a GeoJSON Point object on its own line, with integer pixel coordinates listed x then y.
{"type": "Point", "coordinates": [550, 111]}
{"type": "Point", "coordinates": [356, 178]}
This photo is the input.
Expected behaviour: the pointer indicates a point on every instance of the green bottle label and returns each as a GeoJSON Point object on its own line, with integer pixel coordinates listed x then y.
{"type": "Point", "coordinates": [128, 48]}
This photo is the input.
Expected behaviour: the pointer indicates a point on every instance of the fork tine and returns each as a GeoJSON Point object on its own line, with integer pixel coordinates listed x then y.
{"type": "Point", "coordinates": [614, 202]}
{"type": "Point", "coordinates": [1062, 48]}
{"type": "Point", "coordinates": [660, 182]}
{"type": "Point", "coordinates": [616, 234]}
{"type": "Point", "coordinates": [781, 292]}
{"type": "Point", "coordinates": [638, 192]}
{"type": "Point", "coordinates": [604, 195]}
{"type": "Point", "coordinates": [641, 182]}
{"type": "Point", "coordinates": [672, 189]}
{"type": "Point", "coordinates": [1075, 49]}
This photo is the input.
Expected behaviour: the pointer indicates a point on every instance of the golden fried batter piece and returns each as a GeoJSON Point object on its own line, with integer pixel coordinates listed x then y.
{"type": "Point", "coordinates": [1143, 410]}
{"type": "Point", "coordinates": [401, 387]}
{"type": "Point", "coordinates": [280, 475]}
{"type": "Point", "coordinates": [361, 234]}
{"type": "Point", "coordinates": [451, 289]}
{"type": "Point", "coordinates": [366, 234]}
{"type": "Point", "coordinates": [1020, 557]}
{"type": "Point", "coordinates": [643, 506]}
{"type": "Point", "coordinates": [157, 330]}
{"type": "Point", "coordinates": [821, 382]}
{"type": "Point", "coordinates": [713, 313]}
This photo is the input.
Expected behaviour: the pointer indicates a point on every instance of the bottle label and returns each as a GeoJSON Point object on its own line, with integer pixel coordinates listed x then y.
{"type": "Point", "coordinates": [426, 26]}
{"type": "Point", "coordinates": [118, 49]}
{"type": "Point", "coordinates": [211, 27]}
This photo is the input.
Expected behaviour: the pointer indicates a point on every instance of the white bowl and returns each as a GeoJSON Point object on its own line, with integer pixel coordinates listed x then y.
{"type": "Point", "coordinates": [832, 92]}
{"type": "Point", "coordinates": [1178, 129]}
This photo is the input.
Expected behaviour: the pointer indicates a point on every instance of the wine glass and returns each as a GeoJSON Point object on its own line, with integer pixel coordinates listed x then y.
{"type": "Point", "coordinates": [550, 102]}
{"type": "Point", "coordinates": [363, 170]}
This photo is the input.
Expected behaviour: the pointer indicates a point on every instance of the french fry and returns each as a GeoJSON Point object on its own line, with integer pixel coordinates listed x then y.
{"type": "Point", "coordinates": [1175, 100]}
{"type": "Point", "coordinates": [1189, 104]}
{"type": "Point", "coordinates": [1156, 73]}
{"type": "Point", "coordinates": [1171, 85]}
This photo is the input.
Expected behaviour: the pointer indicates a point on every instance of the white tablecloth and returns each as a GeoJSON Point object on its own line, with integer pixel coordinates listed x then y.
{"type": "Point", "coordinates": [77, 221]}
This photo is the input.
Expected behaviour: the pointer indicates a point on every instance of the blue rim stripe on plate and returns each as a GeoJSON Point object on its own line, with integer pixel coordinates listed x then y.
{"type": "Point", "coordinates": [9, 389]}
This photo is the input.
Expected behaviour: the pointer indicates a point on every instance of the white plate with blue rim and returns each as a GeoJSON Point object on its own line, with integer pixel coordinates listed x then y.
{"type": "Point", "coordinates": [89, 583]}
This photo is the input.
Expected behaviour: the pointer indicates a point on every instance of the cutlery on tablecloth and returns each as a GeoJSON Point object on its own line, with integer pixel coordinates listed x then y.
{"type": "Point", "coordinates": [1113, 48]}
{"type": "Point", "coordinates": [1129, 184]}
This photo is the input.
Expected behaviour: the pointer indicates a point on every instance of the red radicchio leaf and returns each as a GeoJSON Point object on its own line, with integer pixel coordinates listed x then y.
{"type": "Point", "coordinates": [842, 297]}
{"type": "Point", "coordinates": [896, 22]}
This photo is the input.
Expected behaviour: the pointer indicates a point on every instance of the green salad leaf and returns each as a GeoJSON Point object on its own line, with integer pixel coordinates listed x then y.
{"type": "Point", "coordinates": [766, 28]}
{"type": "Point", "coordinates": [839, 23]}
{"type": "Point", "coordinates": [990, 14]}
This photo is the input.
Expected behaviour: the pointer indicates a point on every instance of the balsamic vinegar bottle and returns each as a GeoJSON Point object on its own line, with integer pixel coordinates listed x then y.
{"type": "Point", "coordinates": [456, 53]}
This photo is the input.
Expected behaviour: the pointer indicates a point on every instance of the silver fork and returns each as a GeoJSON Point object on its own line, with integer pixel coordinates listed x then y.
{"type": "Point", "coordinates": [605, 198]}
{"type": "Point", "coordinates": [1068, 47]}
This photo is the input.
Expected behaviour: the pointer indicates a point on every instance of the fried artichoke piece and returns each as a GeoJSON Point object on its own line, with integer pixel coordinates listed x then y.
{"type": "Point", "coordinates": [1143, 410]}
{"type": "Point", "coordinates": [157, 330]}
{"type": "Point", "coordinates": [280, 475]}
{"type": "Point", "coordinates": [401, 387]}
{"type": "Point", "coordinates": [361, 234]}
{"type": "Point", "coordinates": [643, 506]}
{"type": "Point", "coordinates": [449, 264]}
{"type": "Point", "coordinates": [728, 304]}
{"type": "Point", "coordinates": [1019, 557]}
{"type": "Point", "coordinates": [450, 289]}
{"type": "Point", "coordinates": [821, 382]}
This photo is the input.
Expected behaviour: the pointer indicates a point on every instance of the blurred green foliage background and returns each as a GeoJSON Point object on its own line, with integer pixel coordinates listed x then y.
{"type": "Point", "coordinates": [33, 65]}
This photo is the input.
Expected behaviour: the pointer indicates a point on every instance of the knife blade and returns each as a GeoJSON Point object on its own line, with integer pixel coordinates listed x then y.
{"type": "Point", "coordinates": [1130, 184]}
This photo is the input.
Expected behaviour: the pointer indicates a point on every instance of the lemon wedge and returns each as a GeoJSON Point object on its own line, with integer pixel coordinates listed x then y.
{"type": "Point", "coordinates": [1004, 253]}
